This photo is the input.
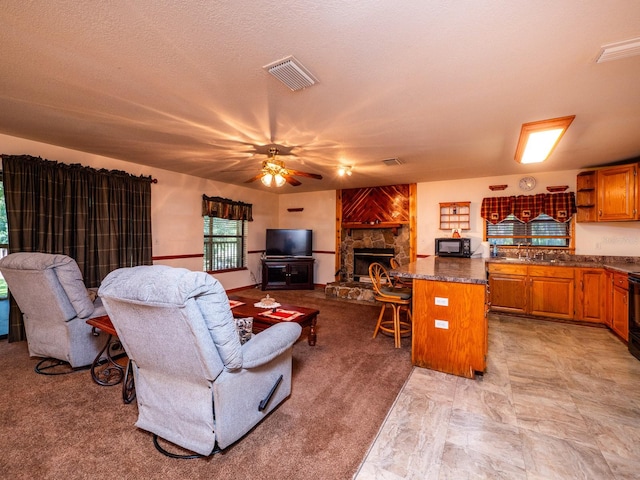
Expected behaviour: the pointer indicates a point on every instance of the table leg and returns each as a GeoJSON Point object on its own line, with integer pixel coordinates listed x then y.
{"type": "Point", "coordinates": [312, 332]}
{"type": "Point", "coordinates": [106, 372]}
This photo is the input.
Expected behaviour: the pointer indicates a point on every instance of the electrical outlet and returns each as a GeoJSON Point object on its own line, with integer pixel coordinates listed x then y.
{"type": "Point", "coordinates": [443, 302]}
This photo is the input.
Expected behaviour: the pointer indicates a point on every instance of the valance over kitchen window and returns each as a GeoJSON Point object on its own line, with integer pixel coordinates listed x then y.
{"type": "Point", "coordinates": [559, 206]}
{"type": "Point", "coordinates": [227, 209]}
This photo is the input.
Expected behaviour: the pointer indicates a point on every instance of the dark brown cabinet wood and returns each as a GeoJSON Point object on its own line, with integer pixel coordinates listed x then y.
{"type": "Point", "coordinates": [287, 274]}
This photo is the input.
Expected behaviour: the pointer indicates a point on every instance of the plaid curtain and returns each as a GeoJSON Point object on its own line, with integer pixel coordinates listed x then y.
{"type": "Point", "coordinates": [224, 208]}
{"type": "Point", "coordinates": [100, 218]}
{"type": "Point", "coordinates": [559, 206]}
{"type": "Point", "coordinates": [496, 209]}
{"type": "Point", "coordinates": [528, 207]}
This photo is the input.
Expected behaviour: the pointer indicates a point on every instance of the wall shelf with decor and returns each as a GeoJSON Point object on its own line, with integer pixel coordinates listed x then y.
{"type": "Point", "coordinates": [455, 215]}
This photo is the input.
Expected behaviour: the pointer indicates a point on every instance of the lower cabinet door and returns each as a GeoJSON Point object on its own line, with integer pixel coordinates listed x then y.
{"type": "Point", "coordinates": [508, 293]}
{"type": "Point", "coordinates": [551, 297]}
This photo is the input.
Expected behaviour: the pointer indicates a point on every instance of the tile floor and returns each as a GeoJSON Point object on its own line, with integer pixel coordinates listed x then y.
{"type": "Point", "coordinates": [558, 401]}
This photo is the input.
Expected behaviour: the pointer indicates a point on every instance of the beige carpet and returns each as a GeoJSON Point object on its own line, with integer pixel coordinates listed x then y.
{"type": "Point", "coordinates": [67, 427]}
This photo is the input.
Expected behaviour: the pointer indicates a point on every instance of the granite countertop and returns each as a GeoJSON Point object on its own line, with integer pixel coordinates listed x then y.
{"type": "Point", "coordinates": [458, 270]}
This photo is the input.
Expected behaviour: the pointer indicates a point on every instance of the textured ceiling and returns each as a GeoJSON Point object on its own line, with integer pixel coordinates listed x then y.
{"type": "Point", "coordinates": [443, 86]}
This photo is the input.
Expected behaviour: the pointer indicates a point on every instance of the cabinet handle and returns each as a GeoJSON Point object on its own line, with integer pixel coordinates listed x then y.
{"type": "Point", "coordinates": [600, 213]}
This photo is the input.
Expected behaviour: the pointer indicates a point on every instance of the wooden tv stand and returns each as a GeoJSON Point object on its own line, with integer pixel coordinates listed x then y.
{"type": "Point", "coordinates": [287, 273]}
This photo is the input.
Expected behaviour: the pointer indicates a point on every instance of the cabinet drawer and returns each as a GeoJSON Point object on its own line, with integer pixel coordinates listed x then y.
{"type": "Point", "coordinates": [621, 280]}
{"type": "Point", "coordinates": [507, 269]}
{"type": "Point", "coordinates": [545, 271]}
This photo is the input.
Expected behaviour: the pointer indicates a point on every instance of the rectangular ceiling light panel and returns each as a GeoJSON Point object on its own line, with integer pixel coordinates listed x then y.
{"type": "Point", "coordinates": [616, 51]}
{"type": "Point", "coordinates": [292, 73]}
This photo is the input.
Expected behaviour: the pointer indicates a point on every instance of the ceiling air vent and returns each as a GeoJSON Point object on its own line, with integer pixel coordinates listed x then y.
{"type": "Point", "coordinates": [616, 51]}
{"type": "Point", "coordinates": [390, 162]}
{"type": "Point", "coordinates": [291, 72]}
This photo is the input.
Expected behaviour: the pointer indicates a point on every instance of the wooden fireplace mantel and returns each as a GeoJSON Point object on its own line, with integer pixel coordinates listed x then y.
{"type": "Point", "coordinates": [355, 225]}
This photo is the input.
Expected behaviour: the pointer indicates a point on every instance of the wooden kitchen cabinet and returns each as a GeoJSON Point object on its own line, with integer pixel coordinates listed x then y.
{"type": "Point", "coordinates": [508, 284]}
{"type": "Point", "coordinates": [546, 291]}
{"type": "Point", "coordinates": [616, 193]}
{"type": "Point", "coordinates": [551, 291]}
{"type": "Point", "coordinates": [609, 194]}
{"type": "Point", "coordinates": [449, 327]}
{"type": "Point", "coordinates": [590, 297]}
{"type": "Point", "coordinates": [620, 305]}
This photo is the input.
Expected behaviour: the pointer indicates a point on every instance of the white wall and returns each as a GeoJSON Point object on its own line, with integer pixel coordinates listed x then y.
{"type": "Point", "coordinates": [176, 208]}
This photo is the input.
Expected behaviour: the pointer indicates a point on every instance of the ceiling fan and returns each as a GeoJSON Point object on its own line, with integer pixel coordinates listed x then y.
{"type": "Point", "coordinates": [274, 173]}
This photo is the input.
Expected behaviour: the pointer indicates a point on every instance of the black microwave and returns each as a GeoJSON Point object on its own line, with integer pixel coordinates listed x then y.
{"type": "Point", "coordinates": [453, 247]}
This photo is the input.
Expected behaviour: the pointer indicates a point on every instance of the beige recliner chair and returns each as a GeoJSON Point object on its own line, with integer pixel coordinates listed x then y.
{"type": "Point", "coordinates": [197, 386]}
{"type": "Point", "coordinates": [55, 304]}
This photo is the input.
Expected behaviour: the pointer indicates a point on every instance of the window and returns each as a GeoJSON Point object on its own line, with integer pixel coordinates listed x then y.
{"type": "Point", "coordinates": [542, 231]}
{"type": "Point", "coordinates": [224, 244]}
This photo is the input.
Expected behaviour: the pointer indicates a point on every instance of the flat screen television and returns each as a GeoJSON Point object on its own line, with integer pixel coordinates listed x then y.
{"type": "Point", "coordinates": [283, 242]}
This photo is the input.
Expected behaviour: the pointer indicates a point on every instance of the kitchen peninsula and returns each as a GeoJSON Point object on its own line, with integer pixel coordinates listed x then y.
{"type": "Point", "coordinates": [449, 314]}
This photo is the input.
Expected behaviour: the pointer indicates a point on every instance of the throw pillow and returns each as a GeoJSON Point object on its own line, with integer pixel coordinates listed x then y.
{"type": "Point", "coordinates": [244, 326]}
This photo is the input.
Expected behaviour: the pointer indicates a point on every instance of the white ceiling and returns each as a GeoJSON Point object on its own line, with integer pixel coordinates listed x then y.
{"type": "Point", "coordinates": [442, 85]}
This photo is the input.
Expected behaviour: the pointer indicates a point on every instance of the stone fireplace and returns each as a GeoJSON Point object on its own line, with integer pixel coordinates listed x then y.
{"type": "Point", "coordinates": [374, 226]}
{"type": "Point", "coordinates": [381, 241]}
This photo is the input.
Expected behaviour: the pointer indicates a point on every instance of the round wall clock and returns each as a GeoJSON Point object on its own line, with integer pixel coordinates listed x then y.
{"type": "Point", "coordinates": [527, 183]}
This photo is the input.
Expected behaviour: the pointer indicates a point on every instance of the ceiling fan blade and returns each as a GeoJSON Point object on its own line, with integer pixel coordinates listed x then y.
{"type": "Point", "coordinates": [292, 181]}
{"type": "Point", "coordinates": [304, 174]}
{"type": "Point", "coordinates": [253, 179]}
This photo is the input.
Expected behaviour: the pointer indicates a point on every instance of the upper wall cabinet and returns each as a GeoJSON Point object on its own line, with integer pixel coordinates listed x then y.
{"type": "Point", "coordinates": [608, 195]}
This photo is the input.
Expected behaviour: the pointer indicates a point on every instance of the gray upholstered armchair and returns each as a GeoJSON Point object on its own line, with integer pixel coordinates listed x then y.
{"type": "Point", "coordinates": [197, 386]}
{"type": "Point", "coordinates": [55, 304]}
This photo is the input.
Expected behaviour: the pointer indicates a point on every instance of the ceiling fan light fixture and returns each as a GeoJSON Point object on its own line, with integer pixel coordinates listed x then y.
{"type": "Point", "coordinates": [266, 179]}
{"type": "Point", "coordinates": [279, 180]}
{"type": "Point", "coordinates": [538, 139]}
{"type": "Point", "coordinates": [344, 170]}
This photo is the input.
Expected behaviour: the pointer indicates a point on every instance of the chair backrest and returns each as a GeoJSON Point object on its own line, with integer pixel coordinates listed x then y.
{"type": "Point", "coordinates": [47, 286]}
{"type": "Point", "coordinates": [379, 278]}
{"type": "Point", "coordinates": [173, 320]}
{"type": "Point", "coordinates": [55, 304]}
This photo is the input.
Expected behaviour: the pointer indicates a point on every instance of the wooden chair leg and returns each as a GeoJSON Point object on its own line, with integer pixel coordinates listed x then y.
{"type": "Point", "coordinates": [375, 332]}
{"type": "Point", "coordinates": [396, 325]}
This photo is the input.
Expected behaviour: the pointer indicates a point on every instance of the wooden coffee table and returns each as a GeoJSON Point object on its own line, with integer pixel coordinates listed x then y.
{"type": "Point", "coordinates": [261, 322]}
